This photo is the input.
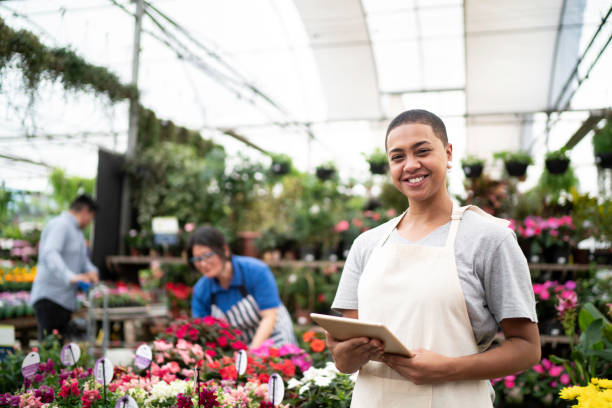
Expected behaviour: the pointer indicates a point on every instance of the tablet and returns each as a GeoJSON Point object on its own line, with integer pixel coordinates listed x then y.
{"type": "Point", "coordinates": [344, 328]}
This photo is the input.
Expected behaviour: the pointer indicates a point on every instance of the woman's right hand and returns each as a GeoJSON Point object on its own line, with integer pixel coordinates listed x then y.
{"type": "Point", "coordinates": [349, 355]}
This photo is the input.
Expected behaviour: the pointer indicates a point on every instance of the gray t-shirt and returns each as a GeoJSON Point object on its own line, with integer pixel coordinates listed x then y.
{"type": "Point", "coordinates": [493, 272]}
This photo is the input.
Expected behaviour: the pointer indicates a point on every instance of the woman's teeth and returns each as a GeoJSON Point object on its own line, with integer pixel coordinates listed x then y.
{"type": "Point", "coordinates": [416, 179]}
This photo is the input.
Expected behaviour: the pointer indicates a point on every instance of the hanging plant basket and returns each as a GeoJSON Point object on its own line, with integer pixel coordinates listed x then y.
{"type": "Point", "coordinates": [378, 167]}
{"type": "Point", "coordinates": [516, 168]}
{"type": "Point", "coordinates": [604, 160]}
{"type": "Point", "coordinates": [325, 173]}
{"type": "Point", "coordinates": [557, 166]}
{"type": "Point", "coordinates": [280, 168]}
{"type": "Point", "coordinates": [473, 171]}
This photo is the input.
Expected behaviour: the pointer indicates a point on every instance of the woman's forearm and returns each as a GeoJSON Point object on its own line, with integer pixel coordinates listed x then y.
{"type": "Point", "coordinates": [265, 328]}
{"type": "Point", "coordinates": [514, 355]}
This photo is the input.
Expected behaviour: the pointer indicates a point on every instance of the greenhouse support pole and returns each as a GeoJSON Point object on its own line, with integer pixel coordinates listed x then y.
{"type": "Point", "coordinates": [132, 129]}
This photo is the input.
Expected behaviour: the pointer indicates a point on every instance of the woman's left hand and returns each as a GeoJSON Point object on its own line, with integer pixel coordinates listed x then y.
{"type": "Point", "coordinates": [426, 367]}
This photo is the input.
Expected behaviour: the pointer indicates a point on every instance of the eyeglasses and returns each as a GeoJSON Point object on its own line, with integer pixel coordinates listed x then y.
{"type": "Point", "coordinates": [204, 257]}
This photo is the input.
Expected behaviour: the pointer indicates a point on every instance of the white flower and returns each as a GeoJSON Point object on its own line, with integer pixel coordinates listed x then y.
{"type": "Point", "coordinates": [304, 388]}
{"type": "Point", "coordinates": [323, 381]}
{"type": "Point", "coordinates": [293, 383]}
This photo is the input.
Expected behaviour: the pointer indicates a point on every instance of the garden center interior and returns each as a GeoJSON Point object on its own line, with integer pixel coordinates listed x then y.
{"type": "Point", "coordinates": [267, 120]}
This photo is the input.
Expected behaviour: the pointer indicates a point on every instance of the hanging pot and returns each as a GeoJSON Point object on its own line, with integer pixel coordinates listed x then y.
{"type": "Point", "coordinates": [280, 168]}
{"type": "Point", "coordinates": [557, 166]}
{"type": "Point", "coordinates": [516, 168]}
{"type": "Point", "coordinates": [378, 168]}
{"type": "Point", "coordinates": [604, 160]}
{"type": "Point", "coordinates": [325, 173]}
{"type": "Point", "coordinates": [473, 171]}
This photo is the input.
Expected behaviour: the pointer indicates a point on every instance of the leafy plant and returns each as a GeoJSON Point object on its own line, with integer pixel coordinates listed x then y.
{"type": "Point", "coordinates": [560, 154]}
{"type": "Point", "coordinates": [66, 188]}
{"type": "Point", "coordinates": [602, 139]}
{"type": "Point", "coordinates": [519, 156]}
{"type": "Point", "coordinates": [378, 157]}
{"type": "Point", "coordinates": [471, 160]}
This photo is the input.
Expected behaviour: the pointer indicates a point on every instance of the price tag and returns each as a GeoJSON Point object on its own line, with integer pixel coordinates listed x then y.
{"type": "Point", "coordinates": [241, 362]}
{"type": "Point", "coordinates": [144, 356]}
{"type": "Point", "coordinates": [30, 365]}
{"type": "Point", "coordinates": [126, 402]}
{"type": "Point", "coordinates": [103, 371]}
{"type": "Point", "coordinates": [70, 354]}
{"type": "Point", "coordinates": [276, 389]}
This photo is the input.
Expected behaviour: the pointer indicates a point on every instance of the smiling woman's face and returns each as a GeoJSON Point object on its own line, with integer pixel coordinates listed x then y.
{"type": "Point", "coordinates": [211, 266]}
{"type": "Point", "coordinates": [418, 161]}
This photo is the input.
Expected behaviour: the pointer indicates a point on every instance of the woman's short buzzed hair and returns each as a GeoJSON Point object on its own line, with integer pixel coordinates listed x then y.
{"type": "Point", "coordinates": [424, 118]}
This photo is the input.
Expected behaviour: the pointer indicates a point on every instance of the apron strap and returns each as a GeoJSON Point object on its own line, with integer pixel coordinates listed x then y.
{"type": "Point", "coordinates": [394, 224]}
{"type": "Point", "coordinates": [456, 217]}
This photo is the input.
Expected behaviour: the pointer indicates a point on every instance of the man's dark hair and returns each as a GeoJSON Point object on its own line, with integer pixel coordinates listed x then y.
{"type": "Point", "coordinates": [210, 237]}
{"type": "Point", "coordinates": [82, 201]}
{"type": "Point", "coordinates": [424, 118]}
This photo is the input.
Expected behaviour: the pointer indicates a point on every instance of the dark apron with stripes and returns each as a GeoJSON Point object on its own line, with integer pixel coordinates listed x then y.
{"type": "Point", "coordinates": [245, 316]}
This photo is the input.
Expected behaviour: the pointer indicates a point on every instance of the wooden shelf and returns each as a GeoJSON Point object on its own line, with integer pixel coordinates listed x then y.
{"type": "Point", "coordinates": [116, 260]}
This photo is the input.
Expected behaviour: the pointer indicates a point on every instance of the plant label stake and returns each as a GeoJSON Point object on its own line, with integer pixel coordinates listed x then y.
{"type": "Point", "coordinates": [70, 354]}
{"type": "Point", "coordinates": [30, 366]}
{"type": "Point", "coordinates": [144, 356]}
{"type": "Point", "coordinates": [196, 382]}
{"type": "Point", "coordinates": [276, 389]}
{"type": "Point", "coordinates": [103, 373]}
{"type": "Point", "coordinates": [241, 365]}
{"type": "Point", "coordinates": [126, 402]}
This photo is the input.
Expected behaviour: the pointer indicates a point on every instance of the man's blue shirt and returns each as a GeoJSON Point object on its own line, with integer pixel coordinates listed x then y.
{"type": "Point", "coordinates": [256, 277]}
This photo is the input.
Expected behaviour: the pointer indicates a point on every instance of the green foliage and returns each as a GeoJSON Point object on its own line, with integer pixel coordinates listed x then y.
{"type": "Point", "coordinates": [37, 61]}
{"type": "Point", "coordinates": [520, 156]}
{"type": "Point", "coordinates": [560, 154]}
{"type": "Point", "coordinates": [390, 197]}
{"type": "Point", "coordinates": [378, 157]}
{"type": "Point", "coordinates": [592, 218]}
{"type": "Point", "coordinates": [152, 131]}
{"type": "Point", "coordinates": [592, 355]}
{"type": "Point", "coordinates": [5, 199]}
{"type": "Point", "coordinates": [66, 189]}
{"type": "Point", "coordinates": [471, 160]}
{"type": "Point", "coordinates": [551, 186]}
{"type": "Point", "coordinates": [602, 139]}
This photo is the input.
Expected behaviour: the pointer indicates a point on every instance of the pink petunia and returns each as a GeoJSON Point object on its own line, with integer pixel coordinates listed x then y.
{"type": "Point", "coordinates": [538, 369]}
{"type": "Point", "coordinates": [555, 371]}
{"type": "Point", "coordinates": [565, 379]}
{"type": "Point", "coordinates": [342, 226]}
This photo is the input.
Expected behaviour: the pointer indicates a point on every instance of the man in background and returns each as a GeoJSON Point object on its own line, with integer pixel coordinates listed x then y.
{"type": "Point", "coordinates": [63, 262]}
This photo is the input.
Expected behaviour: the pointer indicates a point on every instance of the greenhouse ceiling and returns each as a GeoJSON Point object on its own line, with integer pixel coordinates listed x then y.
{"type": "Point", "coordinates": [314, 79]}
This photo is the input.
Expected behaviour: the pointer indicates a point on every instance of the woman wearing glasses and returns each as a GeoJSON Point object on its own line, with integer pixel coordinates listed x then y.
{"type": "Point", "coordinates": [238, 289]}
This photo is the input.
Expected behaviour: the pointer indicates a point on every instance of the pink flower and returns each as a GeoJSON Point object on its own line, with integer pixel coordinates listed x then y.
{"type": "Point", "coordinates": [553, 384]}
{"type": "Point", "coordinates": [197, 351]}
{"type": "Point", "coordinates": [391, 213]}
{"type": "Point", "coordinates": [190, 226]}
{"type": "Point", "coordinates": [565, 379]}
{"type": "Point", "coordinates": [555, 371]}
{"type": "Point", "coordinates": [161, 345]}
{"type": "Point", "coordinates": [546, 363]}
{"type": "Point", "coordinates": [187, 373]}
{"type": "Point", "coordinates": [342, 226]}
{"type": "Point", "coordinates": [538, 369]}
{"type": "Point", "coordinates": [570, 285]}
{"type": "Point", "coordinates": [375, 216]}
{"type": "Point", "coordinates": [544, 295]}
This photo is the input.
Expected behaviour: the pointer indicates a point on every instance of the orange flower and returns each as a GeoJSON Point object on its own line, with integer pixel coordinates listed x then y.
{"type": "Point", "coordinates": [317, 345]}
{"type": "Point", "coordinates": [309, 335]}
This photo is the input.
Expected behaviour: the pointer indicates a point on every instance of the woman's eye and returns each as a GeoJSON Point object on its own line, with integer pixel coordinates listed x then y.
{"type": "Point", "coordinates": [422, 151]}
{"type": "Point", "coordinates": [395, 157]}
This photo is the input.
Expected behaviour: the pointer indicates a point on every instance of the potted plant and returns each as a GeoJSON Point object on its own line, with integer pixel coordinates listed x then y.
{"type": "Point", "coordinates": [281, 164]}
{"type": "Point", "coordinates": [472, 166]}
{"type": "Point", "coordinates": [325, 171]}
{"type": "Point", "coordinates": [557, 161]}
{"type": "Point", "coordinates": [515, 162]}
{"type": "Point", "coordinates": [378, 162]}
{"type": "Point", "coordinates": [602, 146]}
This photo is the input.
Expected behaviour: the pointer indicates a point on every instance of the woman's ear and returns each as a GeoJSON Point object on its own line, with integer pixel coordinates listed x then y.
{"type": "Point", "coordinates": [449, 152]}
{"type": "Point", "coordinates": [226, 251]}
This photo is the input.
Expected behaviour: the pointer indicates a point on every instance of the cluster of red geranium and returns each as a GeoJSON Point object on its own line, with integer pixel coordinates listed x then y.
{"type": "Point", "coordinates": [179, 295]}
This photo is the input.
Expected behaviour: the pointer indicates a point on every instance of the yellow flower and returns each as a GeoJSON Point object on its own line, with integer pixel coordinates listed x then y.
{"type": "Point", "coordinates": [570, 393]}
{"type": "Point", "coordinates": [603, 382]}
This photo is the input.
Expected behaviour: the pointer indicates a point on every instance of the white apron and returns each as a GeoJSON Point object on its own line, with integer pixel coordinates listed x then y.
{"type": "Point", "coordinates": [414, 290]}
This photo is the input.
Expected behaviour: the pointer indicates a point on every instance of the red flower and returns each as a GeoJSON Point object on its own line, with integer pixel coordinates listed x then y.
{"type": "Point", "coordinates": [209, 321]}
{"type": "Point", "coordinates": [238, 345]}
{"type": "Point", "coordinates": [214, 365]}
{"type": "Point", "coordinates": [210, 344]}
{"type": "Point", "coordinates": [211, 353]}
{"type": "Point", "coordinates": [272, 352]}
{"type": "Point", "coordinates": [317, 345]}
{"type": "Point", "coordinates": [263, 378]}
{"type": "Point", "coordinates": [222, 340]}
{"type": "Point", "coordinates": [309, 335]}
{"type": "Point", "coordinates": [228, 373]}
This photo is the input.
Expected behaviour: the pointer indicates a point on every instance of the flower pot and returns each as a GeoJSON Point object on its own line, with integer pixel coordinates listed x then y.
{"type": "Point", "coordinates": [473, 171]}
{"type": "Point", "coordinates": [515, 168]}
{"type": "Point", "coordinates": [325, 173]}
{"type": "Point", "coordinates": [378, 168]}
{"type": "Point", "coordinates": [280, 169]}
{"type": "Point", "coordinates": [604, 160]}
{"type": "Point", "coordinates": [557, 166]}
{"type": "Point", "coordinates": [580, 256]}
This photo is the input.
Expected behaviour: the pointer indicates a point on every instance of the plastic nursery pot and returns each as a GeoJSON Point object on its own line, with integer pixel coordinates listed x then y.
{"type": "Point", "coordinates": [473, 171]}
{"type": "Point", "coordinates": [378, 168]}
{"type": "Point", "coordinates": [324, 173]}
{"type": "Point", "coordinates": [557, 166]}
{"type": "Point", "coordinates": [515, 168]}
{"type": "Point", "coordinates": [604, 160]}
